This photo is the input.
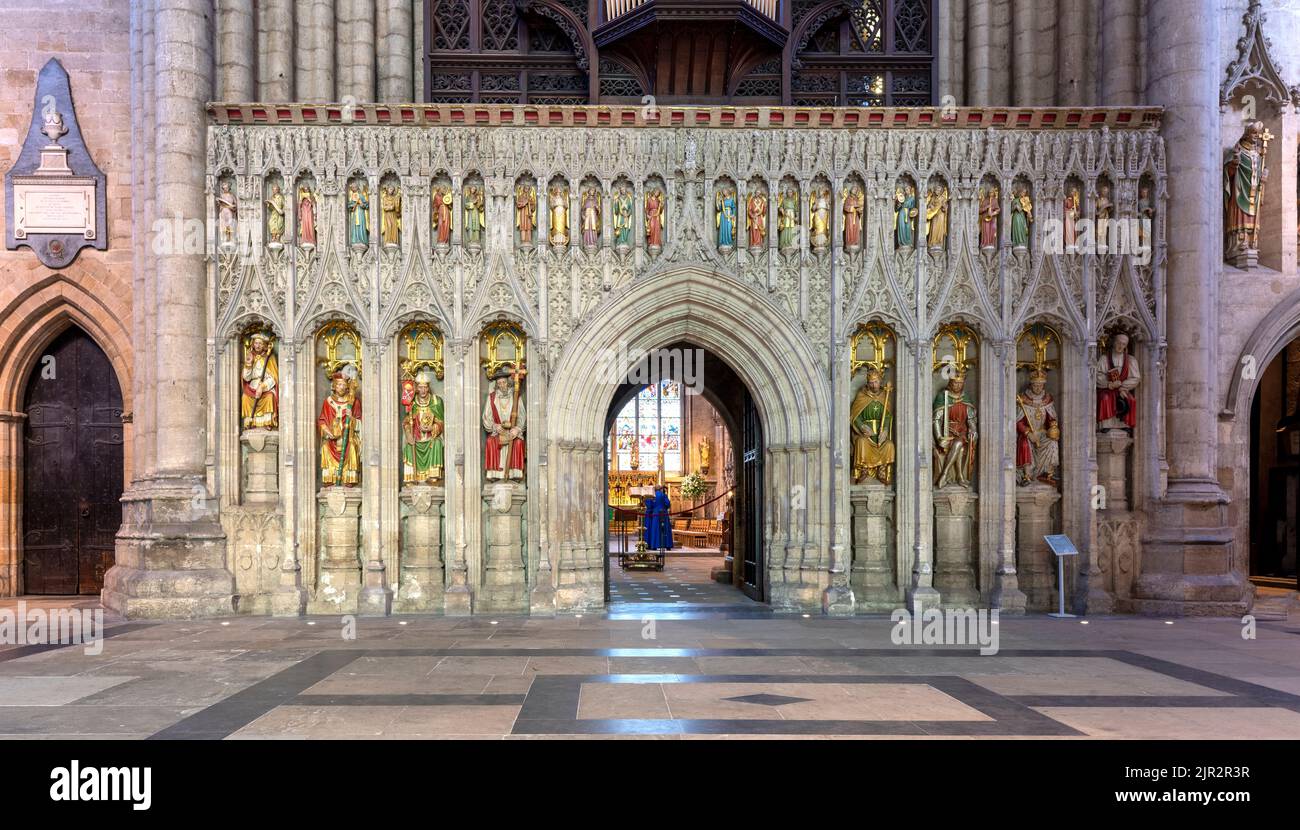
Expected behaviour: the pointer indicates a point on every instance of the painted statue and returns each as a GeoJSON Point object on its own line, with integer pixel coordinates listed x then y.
{"type": "Point", "coordinates": [504, 419]}
{"type": "Point", "coordinates": [475, 215]}
{"type": "Point", "coordinates": [819, 213]}
{"type": "Point", "coordinates": [725, 213]}
{"type": "Point", "coordinates": [1070, 231]}
{"type": "Point", "coordinates": [1022, 216]}
{"type": "Point", "coordinates": [339, 427]}
{"type": "Point", "coordinates": [1243, 180]}
{"type": "Point", "coordinates": [558, 204]}
{"type": "Point", "coordinates": [1146, 216]}
{"type": "Point", "coordinates": [705, 451]}
{"type": "Point", "coordinates": [1117, 377]}
{"type": "Point", "coordinates": [306, 217]}
{"type": "Point", "coordinates": [259, 399]}
{"type": "Point", "coordinates": [227, 214]}
{"type": "Point", "coordinates": [872, 425]}
{"type": "Point", "coordinates": [956, 434]}
{"type": "Point", "coordinates": [756, 215]}
{"type": "Point", "coordinates": [990, 209]}
{"type": "Point", "coordinates": [788, 219]}
{"type": "Point", "coordinates": [905, 213]}
{"type": "Point", "coordinates": [654, 218]}
{"type": "Point", "coordinates": [852, 208]}
{"type": "Point", "coordinates": [422, 428]}
{"type": "Point", "coordinates": [936, 217]}
{"type": "Point", "coordinates": [623, 208]}
{"type": "Point", "coordinates": [443, 201]}
{"type": "Point", "coordinates": [591, 217]}
{"type": "Point", "coordinates": [1105, 210]}
{"type": "Point", "coordinates": [358, 215]}
{"type": "Point", "coordinates": [1038, 433]}
{"type": "Point", "coordinates": [390, 220]}
{"type": "Point", "coordinates": [525, 213]}
{"type": "Point", "coordinates": [275, 216]}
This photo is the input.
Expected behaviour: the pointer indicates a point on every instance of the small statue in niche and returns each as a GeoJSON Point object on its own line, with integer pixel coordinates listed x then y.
{"type": "Point", "coordinates": [706, 455]}
{"type": "Point", "coordinates": [1022, 216]}
{"type": "Point", "coordinates": [990, 208]}
{"type": "Point", "coordinates": [504, 420]}
{"type": "Point", "coordinates": [475, 216]}
{"type": "Point", "coordinates": [905, 213]}
{"type": "Point", "coordinates": [756, 215]}
{"type": "Point", "coordinates": [1105, 210]}
{"type": "Point", "coordinates": [339, 425]}
{"type": "Point", "coordinates": [654, 219]}
{"type": "Point", "coordinates": [443, 202]}
{"type": "Point", "coordinates": [390, 222]}
{"type": "Point", "coordinates": [854, 202]}
{"type": "Point", "coordinates": [623, 207]}
{"type": "Point", "coordinates": [591, 217]}
{"type": "Point", "coordinates": [788, 220]}
{"type": "Point", "coordinates": [1038, 432]}
{"type": "Point", "coordinates": [306, 217]}
{"type": "Point", "coordinates": [358, 216]}
{"type": "Point", "coordinates": [422, 429]}
{"type": "Point", "coordinates": [525, 213]}
{"type": "Point", "coordinates": [227, 214]}
{"type": "Point", "coordinates": [956, 434]}
{"type": "Point", "coordinates": [259, 399]}
{"type": "Point", "coordinates": [1243, 184]}
{"type": "Point", "coordinates": [1146, 215]}
{"type": "Point", "coordinates": [872, 425]}
{"type": "Point", "coordinates": [725, 213]}
{"type": "Point", "coordinates": [936, 217]}
{"type": "Point", "coordinates": [275, 217]}
{"type": "Point", "coordinates": [1117, 377]}
{"type": "Point", "coordinates": [558, 203]}
{"type": "Point", "coordinates": [1070, 221]}
{"type": "Point", "coordinates": [819, 208]}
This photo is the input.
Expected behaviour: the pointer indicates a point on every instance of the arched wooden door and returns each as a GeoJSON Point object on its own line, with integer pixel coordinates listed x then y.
{"type": "Point", "coordinates": [72, 468]}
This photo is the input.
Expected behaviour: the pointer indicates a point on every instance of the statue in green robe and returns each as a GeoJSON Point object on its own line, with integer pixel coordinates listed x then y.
{"type": "Point", "coordinates": [788, 220]}
{"type": "Point", "coordinates": [422, 428]}
{"type": "Point", "coordinates": [1243, 182]}
{"type": "Point", "coordinates": [872, 425]}
{"type": "Point", "coordinates": [1022, 216]}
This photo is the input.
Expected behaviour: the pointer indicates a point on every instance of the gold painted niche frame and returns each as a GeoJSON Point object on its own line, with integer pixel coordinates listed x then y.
{"type": "Point", "coordinates": [493, 334]}
{"type": "Point", "coordinates": [1041, 336]}
{"type": "Point", "coordinates": [412, 363]}
{"type": "Point", "coordinates": [962, 337]}
{"type": "Point", "coordinates": [879, 335]}
{"type": "Point", "coordinates": [333, 334]}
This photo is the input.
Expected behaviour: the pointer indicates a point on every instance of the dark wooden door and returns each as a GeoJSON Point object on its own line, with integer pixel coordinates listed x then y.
{"type": "Point", "coordinates": [72, 468]}
{"type": "Point", "coordinates": [750, 508]}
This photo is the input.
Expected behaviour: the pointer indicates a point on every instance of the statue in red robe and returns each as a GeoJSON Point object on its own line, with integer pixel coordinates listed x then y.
{"type": "Point", "coordinates": [1117, 377]}
{"type": "Point", "coordinates": [503, 419]}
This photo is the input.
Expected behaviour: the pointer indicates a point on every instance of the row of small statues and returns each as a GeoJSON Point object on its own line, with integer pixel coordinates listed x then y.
{"type": "Point", "coordinates": [955, 422]}
{"type": "Point", "coordinates": [728, 220]}
{"type": "Point", "coordinates": [338, 424]}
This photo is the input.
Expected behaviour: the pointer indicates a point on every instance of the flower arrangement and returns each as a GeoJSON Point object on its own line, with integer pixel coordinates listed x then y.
{"type": "Point", "coordinates": [694, 486]}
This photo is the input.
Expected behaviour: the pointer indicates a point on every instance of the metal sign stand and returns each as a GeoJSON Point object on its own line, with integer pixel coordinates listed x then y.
{"type": "Point", "coordinates": [1062, 547]}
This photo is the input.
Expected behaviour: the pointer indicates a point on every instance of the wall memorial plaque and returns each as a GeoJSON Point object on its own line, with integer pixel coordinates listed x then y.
{"type": "Point", "coordinates": [54, 193]}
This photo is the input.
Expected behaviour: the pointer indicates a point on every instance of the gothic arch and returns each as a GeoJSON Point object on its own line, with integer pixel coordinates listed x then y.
{"type": "Point", "coordinates": [1278, 328]}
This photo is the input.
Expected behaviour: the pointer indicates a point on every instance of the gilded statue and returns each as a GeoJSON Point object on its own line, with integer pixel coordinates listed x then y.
{"type": "Point", "coordinates": [259, 400]}
{"type": "Point", "coordinates": [1038, 433]}
{"type": "Point", "coordinates": [956, 434]}
{"type": "Point", "coordinates": [872, 425]}
{"type": "Point", "coordinates": [339, 429]}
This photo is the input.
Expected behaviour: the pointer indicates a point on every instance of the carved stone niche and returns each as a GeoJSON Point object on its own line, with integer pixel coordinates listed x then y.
{"type": "Point", "coordinates": [504, 578]}
{"type": "Point", "coordinates": [420, 582]}
{"type": "Point", "coordinates": [874, 581]}
{"type": "Point", "coordinates": [340, 546]}
{"type": "Point", "coordinates": [261, 466]}
{"type": "Point", "coordinates": [954, 546]}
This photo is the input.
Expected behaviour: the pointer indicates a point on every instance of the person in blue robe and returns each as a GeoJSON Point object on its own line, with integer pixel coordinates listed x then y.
{"type": "Point", "coordinates": [663, 520]}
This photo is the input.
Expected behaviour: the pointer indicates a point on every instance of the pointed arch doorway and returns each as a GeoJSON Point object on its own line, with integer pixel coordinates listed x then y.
{"type": "Point", "coordinates": [656, 428]}
{"type": "Point", "coordinates": [72, 467]}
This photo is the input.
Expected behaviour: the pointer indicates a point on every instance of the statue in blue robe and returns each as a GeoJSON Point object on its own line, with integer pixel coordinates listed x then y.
{"type": "Point", "coordinates": [726, 219]}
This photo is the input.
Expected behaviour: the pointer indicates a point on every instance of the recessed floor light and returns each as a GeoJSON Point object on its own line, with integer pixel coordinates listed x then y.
{"type": "Point", "coordinates": [1083, 622]}
{"type": "Point", "coordinates": [225, 623]}
{"type": "Point", "coordinates": [494, 622]}
{"type": "Point", "coordinates": [311, 622]}
{"type": "Point", "coordinates": [403, 622]}
{"type": "Point", "coordinates": [1169, 622]}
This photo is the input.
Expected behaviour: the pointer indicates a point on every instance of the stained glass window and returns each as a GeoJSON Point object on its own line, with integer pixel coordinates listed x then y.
{"type": "Point", "coordinates": [651, 421]}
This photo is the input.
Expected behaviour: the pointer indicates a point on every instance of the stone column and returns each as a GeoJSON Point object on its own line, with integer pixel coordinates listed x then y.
{"type": "Point", "coordinates": [315, 50]}
{"type": "Point", "coordinates": [275, 50]}
{"type": "Point", "coordinates": [1121, 46]}
{"type": "Point", "coordinates": [954, 546]}
{"type": "Point", "coordinates": [340, 550]}
{"type": "Point", "coordinates": [420, 583]}
{"type": "Point", "coordinates": [1072, 54]}
{"type": "Point", "coordinates": [11, 501]}
{"type": "Point", "coordinates": [261, 466]}
{"type": "Point", "coordinates": [417, 50]}
{"type": "Point", "coordinates": [875, 585]}
{"type": "Point", "coordinates": [355, 47]}
{"type": "Point", "coordinates": [236, 50]}
{"type": "Point", "coordinates": [1187, 559]}
{"type": "Point", "coordinates": [1023, 54]}
{"type": "Point", "coordinates": [505, 587]}
{"type": "Point", "coordinates": [395, 51]}
{"type": "Point", "coordinates": [171, 550]}
{"type": "Point", "coordinates": [979, 62]}
{"type": "Point", "coordinates": [1034, 504]}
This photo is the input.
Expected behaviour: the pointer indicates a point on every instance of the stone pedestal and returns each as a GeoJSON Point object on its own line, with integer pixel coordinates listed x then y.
{"type": "Point", "coordinates": [505, 586]}
{"type": "Point", "coordinates": [420, 568]}
{"type": "Point", "coordinates": [873, 579]}
{"type": "Point", "coordinates": [954, 546]}
{"type": "Point", "coordinates": [261, 466]}
{"type": "Point", "coordinates": [1112, 467]}
{"type": "Point", "coordinates": [1187, 558]}
{"type": "Point", "coordinates": [1034, 503]}
{"type": "Point", "coordinates": [340, 549]}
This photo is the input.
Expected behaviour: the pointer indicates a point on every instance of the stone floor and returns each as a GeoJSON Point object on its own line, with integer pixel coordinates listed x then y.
{"type": "Point", "coordinates": [656, 669]}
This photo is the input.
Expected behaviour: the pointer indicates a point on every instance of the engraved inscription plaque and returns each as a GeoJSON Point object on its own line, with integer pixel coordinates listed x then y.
{"type": "Point", "coordinates": [65, 206]}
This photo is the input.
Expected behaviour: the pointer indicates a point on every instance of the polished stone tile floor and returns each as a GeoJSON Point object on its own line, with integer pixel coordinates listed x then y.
{"type": "Point", "coordinates": [716, 670]}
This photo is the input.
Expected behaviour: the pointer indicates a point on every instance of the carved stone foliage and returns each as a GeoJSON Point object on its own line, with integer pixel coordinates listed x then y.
{"type": "Point", "coordinates": [553, 288]}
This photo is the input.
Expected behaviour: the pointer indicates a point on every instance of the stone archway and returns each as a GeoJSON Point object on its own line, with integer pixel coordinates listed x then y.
{"type": "Point", "coordinates": [791, 392]}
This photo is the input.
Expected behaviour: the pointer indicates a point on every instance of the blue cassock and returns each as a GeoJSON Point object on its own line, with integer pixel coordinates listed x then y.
{"type": "Point", "coordinates": [648, 525]}
{"type": "Point", "coordinates": [662, 524]}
